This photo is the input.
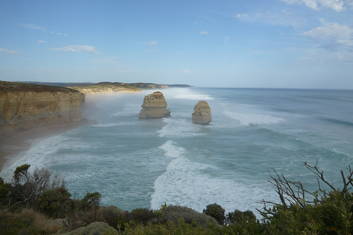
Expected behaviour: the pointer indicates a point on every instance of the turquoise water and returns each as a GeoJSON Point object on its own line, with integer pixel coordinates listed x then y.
{"type": "Point", "coordinates": [146, 163]}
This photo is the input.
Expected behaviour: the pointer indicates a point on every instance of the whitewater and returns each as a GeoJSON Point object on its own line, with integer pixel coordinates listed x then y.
{"type": "Point", "coordinates": [148, 163]}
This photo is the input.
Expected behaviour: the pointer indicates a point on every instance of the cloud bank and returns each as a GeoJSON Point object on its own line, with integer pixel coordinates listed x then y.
{"type": "Point", "coordinates": [332, 34]}
{"type": "Point", "coordinates": [337, 5]}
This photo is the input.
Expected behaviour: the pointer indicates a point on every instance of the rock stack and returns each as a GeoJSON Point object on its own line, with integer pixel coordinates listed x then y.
{"type": "Point", "coordinates": [202, 113]}
{"type": "Point", "coordinates": [154, 106]}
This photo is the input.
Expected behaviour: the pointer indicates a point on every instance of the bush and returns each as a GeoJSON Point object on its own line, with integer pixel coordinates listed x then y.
{"type": "Point", "coordinates": [55, 203]}
{"type": "Point", "coordinates": [239, 217]}
{"type": "Point", "coordinates": [143, 216]}
{"type": "Point", "coordinates": [112, 216]}
{"type": "Point", "coordinates": [26, 187]}
{"type": "Point", "coordinates": [5, 190]}
{"type": "Point", "coordinates": [28, 222]}
{"type": "Point", "coordinates": [175, 213]}
{"type": "Point", "coordinates": [95, 228]}
{"type": "Point", "coordinates": [90, 200]}
{"type": "Point", "coordinates": [215, 211]}
{"type": "Point", "coordinates": [170, 228]}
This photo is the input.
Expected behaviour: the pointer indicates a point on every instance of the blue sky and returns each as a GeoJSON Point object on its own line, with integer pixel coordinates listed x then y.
{"type": "Point", "coordinates": [224, 43]}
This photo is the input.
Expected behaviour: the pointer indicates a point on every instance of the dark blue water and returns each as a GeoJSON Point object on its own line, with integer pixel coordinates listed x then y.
{"type": "Point", "coordinates": [146, 163]}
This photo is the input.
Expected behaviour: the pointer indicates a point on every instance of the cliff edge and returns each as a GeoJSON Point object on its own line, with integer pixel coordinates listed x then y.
{"type": "Point", "coordinates": [23, 105]}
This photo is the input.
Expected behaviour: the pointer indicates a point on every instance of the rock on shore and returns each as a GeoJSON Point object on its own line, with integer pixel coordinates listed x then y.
{"type": "Point", "coordinates": [202, 113]}
{"type": "Point", "coordinates": [154, 106]}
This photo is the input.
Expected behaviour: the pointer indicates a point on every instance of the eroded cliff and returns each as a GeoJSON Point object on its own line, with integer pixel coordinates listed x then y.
{"type": "Point", "coordinates": [23, 106]}
{"type": "Point", "coordinates": [106, 88]}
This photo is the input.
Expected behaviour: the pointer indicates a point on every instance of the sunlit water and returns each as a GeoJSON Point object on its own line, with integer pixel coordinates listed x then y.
{"type": "Point", "coordinates": [146, 163]}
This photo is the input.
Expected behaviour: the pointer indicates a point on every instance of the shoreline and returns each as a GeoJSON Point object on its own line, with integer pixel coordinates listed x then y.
{"type": "Point", "coordinates": [20, 141]}
{"type": "Point", "coordinates": [14, 142]}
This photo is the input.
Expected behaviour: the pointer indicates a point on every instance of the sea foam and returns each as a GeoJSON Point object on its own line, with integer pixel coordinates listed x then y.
{"type": "Point", "coordinates": [186, 93]}
{"type": "Point", "coordinates": [36, 156]}
{"type": "Point", "coordinates": [186, 183]}
{"type": "Point", "coordinates": [179, 128]}
{"type": "Point", "coordinates": [248, 119]}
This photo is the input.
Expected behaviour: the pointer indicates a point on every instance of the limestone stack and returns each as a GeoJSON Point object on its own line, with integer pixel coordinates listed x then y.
{"type": "Point", "coordinates": [202, 113]}
{"type": "Point", "coordinates": [154, 106]}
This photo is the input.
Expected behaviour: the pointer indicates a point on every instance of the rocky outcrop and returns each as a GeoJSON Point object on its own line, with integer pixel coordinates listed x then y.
{"type": "Point", "coordinates": [202, 113]}
{"type": "Point", "coordinates": [23, 106]}
{"type": "Point", "coordinates": [154, 106]}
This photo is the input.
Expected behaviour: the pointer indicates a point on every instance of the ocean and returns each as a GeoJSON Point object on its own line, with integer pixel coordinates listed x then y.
{"type": "Point", "coordinates": [148, 163]}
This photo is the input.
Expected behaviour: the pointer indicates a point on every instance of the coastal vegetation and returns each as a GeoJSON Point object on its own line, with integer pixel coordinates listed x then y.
{"type": "Point", "coordinates": [38, 202]}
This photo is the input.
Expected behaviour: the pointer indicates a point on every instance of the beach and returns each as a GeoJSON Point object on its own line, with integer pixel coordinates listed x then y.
{"type": "Point", "coordinates": [16, 142]}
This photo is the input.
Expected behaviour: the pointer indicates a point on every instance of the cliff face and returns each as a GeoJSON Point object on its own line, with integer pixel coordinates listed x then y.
{"type": "Point", "coordinates": [105, 88]}
{"type": "Point", "coordinates": [23, 106]}
{"type": "Point", "coordinates": [112, 87]}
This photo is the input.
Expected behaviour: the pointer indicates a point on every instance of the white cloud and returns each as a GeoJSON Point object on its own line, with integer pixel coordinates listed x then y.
{"type": "Point", "coordinates": [41, 41]}
{"type": "Point", "coordinates": [281, 18]}
{"type": "Point", "coordinates": [332, 34]}
{"type": "Point", "coordinates": [152, 43]}
{"type": "Point", "coordinates": [337, 5]}
{"type": "Point", "coordinates": [41, 28]}
{"type": "Point", "coordinates": [77, 48]}
{"type": "Point", "coordinates": [33, 26]}
{"type": "Point", "coordinates": [204, 33]}
{"type": "Point", "coordinates": [8, 51]}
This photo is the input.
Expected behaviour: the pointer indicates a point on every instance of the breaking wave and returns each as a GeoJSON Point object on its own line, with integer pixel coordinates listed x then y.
{"type": "Point", "coordinates": [248, 119]}
{"type": "Point", "coordinates": [187, 94]}
{"type": "Point", "coordinates": [186, 183]}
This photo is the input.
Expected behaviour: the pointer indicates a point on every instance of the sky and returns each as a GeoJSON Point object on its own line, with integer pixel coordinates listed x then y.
{"type": "Point", "coordinates": [208, 43]}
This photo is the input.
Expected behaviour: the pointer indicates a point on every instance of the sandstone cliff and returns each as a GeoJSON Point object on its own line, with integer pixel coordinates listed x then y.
{"type": "Point", "coordinates": [23, 106]}
{"type": "Point", "coordinates": [106, 88]}
{"type": "Point", "coordinates": [202, 113]}
{"type": "Point", "coordinates": [154, 106]}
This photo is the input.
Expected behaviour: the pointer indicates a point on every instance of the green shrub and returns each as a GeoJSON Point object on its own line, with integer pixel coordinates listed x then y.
{"type": "Point", "coordinates": [5, 191]}
{"type": "Point", "coordinates": [112, 215]}
{"type": "Point", "coordinates": [175, 213]}
{"type": "Point", "coordinates": [55, 203]}
{"type": "Point", "coordinates": [170, 228]}
{"type": "Point", "coordinates": [240, 217]}
{"type": "Point", "coordinates": [90, 200]}
{"type": "Point", "coordinates": [96, 228]}
{"type": "Point", "coordinates": [215, 211]}
{"type": "Point", "coordinates": [143, 216]}
{"type": "Point", "coordinates": [28, 222]}
{"type": "Point", "coordinates": [26, 187]}
{"type": "Point", "coordinates": [21, 174]}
